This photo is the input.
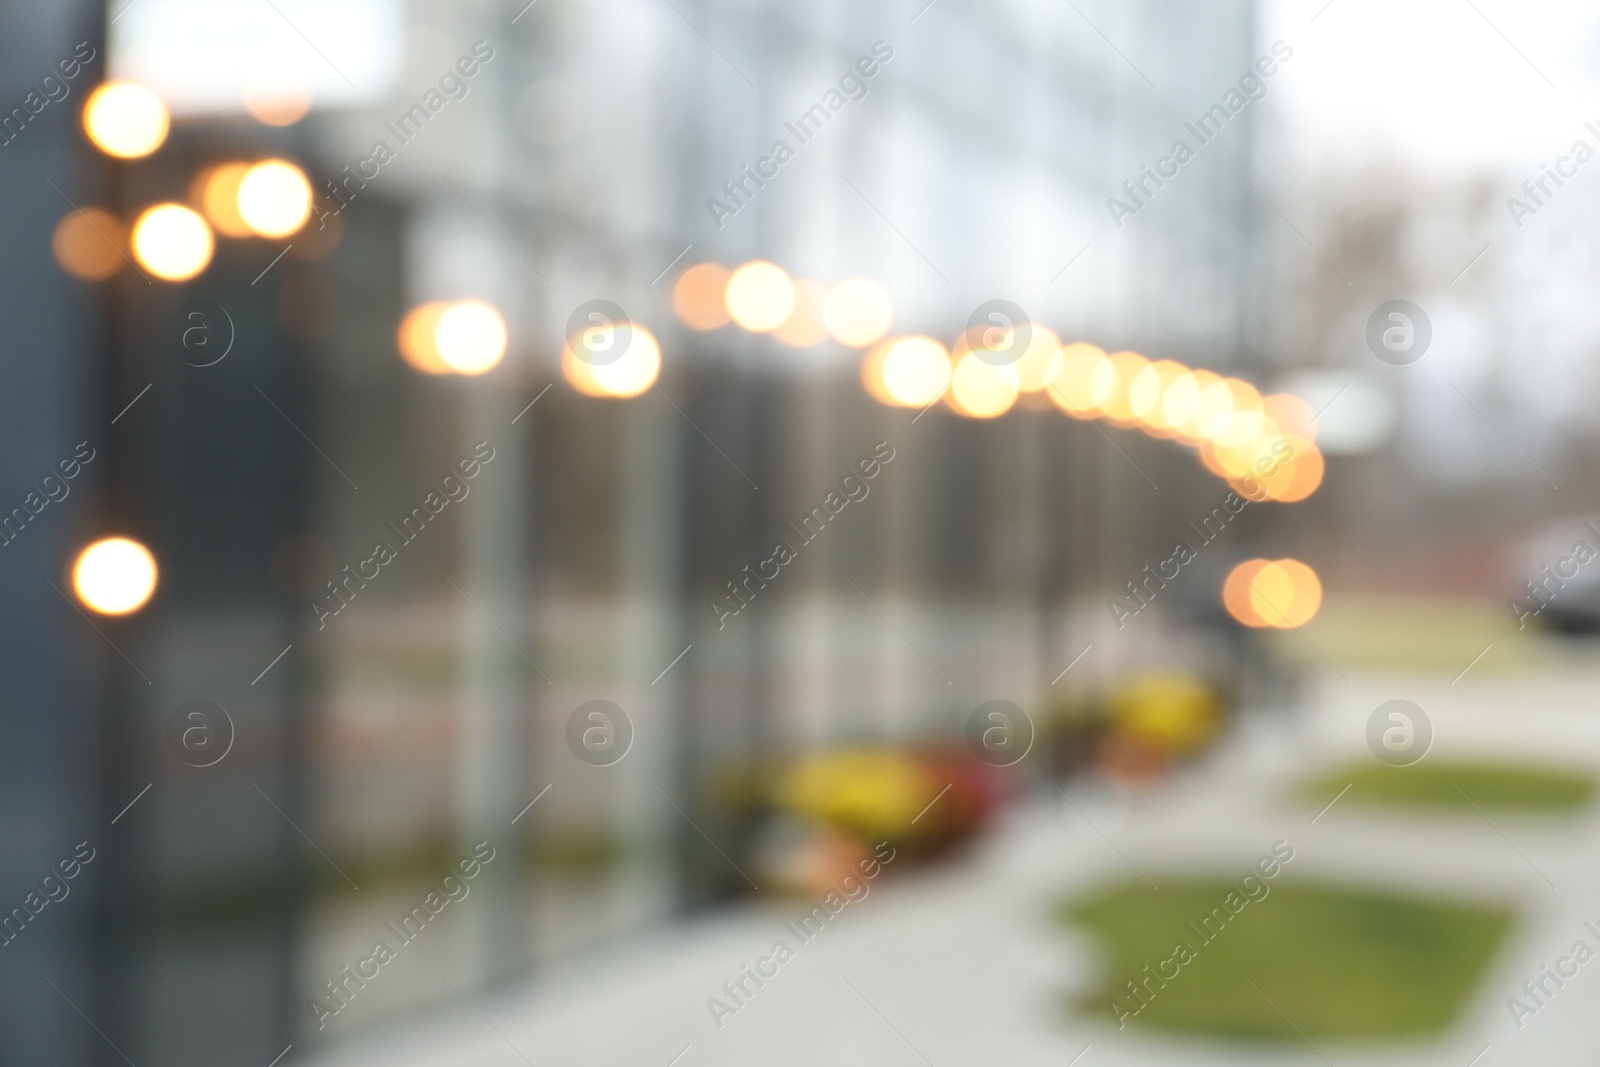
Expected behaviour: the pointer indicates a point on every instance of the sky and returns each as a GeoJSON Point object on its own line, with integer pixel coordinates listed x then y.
{"type": "Point", "coordinates": [1441, 84]}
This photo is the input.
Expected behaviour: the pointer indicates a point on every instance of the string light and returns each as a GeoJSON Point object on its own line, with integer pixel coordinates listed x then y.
{"type": "Point", "coordinates": [172, 242]}
{"type": "Point", "coordinates": [114, 576]}
{"type": "Point", "coordinates": [125, 120]}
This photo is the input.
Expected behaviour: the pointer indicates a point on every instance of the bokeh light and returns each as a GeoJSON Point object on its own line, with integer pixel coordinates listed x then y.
{"type": "Point", "coordinates": [416, 338]}
{"type": "Point", "coordinates": [1213, 408]}
{"type": "Point", "coordinates": [88, 244]}
{"type": "Point", "coordinates": [114, 576]}
{"type": "Point", "coordinates": [915, 371]}
{"type": "Point", "coordinates": [274, 198]}
{"type": "Point", "coordinates": [1147, 393]}
{"type": "Point", "coordinates": [1033, 366]}
{"type": "Point", "coordinates": [277, 98]}
{"type": "Point", "coordinates": [1285, 594]}
{"type": "Point", "coordinates": [858, 312]}
{"type": "Point", "coordinates": [698, 296]}
{"type": "Point", "coordinates": [172, 242]}
{"type": "Point", "coordinates": [872, 373]}
{"type": "Point", "coordinates": [125, 120]}
{"type": "Point", "coordinates": [804, 326]}
{"type": "Point", "coordinates": [1236, 593]}
{"type": "Point", "coordinates": [1292, 414]}
{"type": "Point", "coordinates": [759, 296]}
{"type": "Point", "coordinates": [1300, 475]}
{"type": "Point", "coordinates": [1118, 404]}
{"type": "Point", "coordinates": [981, 390]}
{"type": "Point", "coordinates": [1246, 417]}
{"type": "Point", "coordinates": [1255, 457]}
{"type": "Point", "coordinates": [216, 191]}
{"type": "Point", "coordinates": [1178, 402]}
{"type": "Point", "coordinates": [1080, 379]}
{"type": "Point", "coordinates": [635, 371]}
{"type": "Point", "coordinates": [470, 337]}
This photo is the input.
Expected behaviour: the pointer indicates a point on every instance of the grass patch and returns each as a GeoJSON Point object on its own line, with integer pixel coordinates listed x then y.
{"type": "Point", "coordinates": [1338, 963]}
{"type": "Point", "coordinates": [1538, 790]}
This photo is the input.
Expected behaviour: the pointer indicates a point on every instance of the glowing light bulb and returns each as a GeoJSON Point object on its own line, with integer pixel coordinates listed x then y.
{"type": "Point", "coordinates": [172, 242]}
{"type": "Point", "coordinates": [698, 296]}
{"type": "Point", "coordinates": [277, 97]}
{"type": "Point", "coordinates": [1236, 593]}
{"type": "Point", "coordinates": [1292, 414]}
{"type": "Point", "coordinates": [630, 374]}
{"type": "Point", "coordinates": [216, 190]}
{"type": "Point", "coordinates": [88, 243]}
{"type": "Point", "coordinates": [1300, 474]}
{"type": "Point", "coordinates": [759, 296]}
{"type": "Point", "coordinates": [470, 337]}
{"type": "Point", "coordinates": [872, 374]}
{"type": "Point", "coordinates": [916, 371]}
{"type": "Point", "coordinates": [1285, 594]}
{"type": "Point", "coordinates": [1178, 402]}
{"type": "Point", "coordinates": [1213, 409]}
{"type": "Point", "coordinates": [1118, 406]}
{"type": "Point", "coordinates": [416, 338]}
{"type": "Point", "coordinates": [1080, 379]}
{"type": "Point", "coordinates": [804, 326]}
{"type": "Point", "coordinates": [981, 390]}
{"type": "Point", "coordinates": [125, 120]}
{"type": "Point", "coordinates": [1033, 366]}
{"type": "Point", "coordinates": [1147, 394]}
{"type": "Point", "coordinates": [858, 312]}
{"type": "Point", "coordinates": [274, 198]}
{"type": "Point", "coordinates": [114, 576]}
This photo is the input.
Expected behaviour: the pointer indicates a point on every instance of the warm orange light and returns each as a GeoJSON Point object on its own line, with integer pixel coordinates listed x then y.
{"type": "Point", "coordinates": [1213, 408]}
{"type": "Point", "coordinates": [915, 371]}
{"type": "Point", "coordinates": [1033, 368]}
{"type": "Point", "coordinates": [1118, 406]}
{"type": "Point", "coordinates": [1181, 406]}
{"type": "Point", "coordinates": [1286, 594]}
{"type": "Point", "coordinates": [1244, 425]}
{"type": "Point", "coordinates": [981, 390]}
{"type": "Point", "coordinates": [858, 312]}
{"type": "Point", "coordinates": [125, 120]}
{"type": "Point", "coordinates": [216, 191]}
{"type": "Point", "coordinates": [872, 373]}
{"type": "Point", "coordinates": [759, 296]}
{"type": "Point", "coordinates": [804, 327]}
{"type": "Point", "coordinates": [274, 198]}
{"type": "Point", "coordinates": [114, 576]}
{"type": "Point", "coordinates": [1247, 418]}
{"type": "Point", "coordinates": [628, 375]}
{"type": "Point", "coordinates": [1254, 457]}
{"type": "Point", "coordinates": [1080, 379]}
{"type": "Point", "coordinates": [415, 338]}
{"type": "Point", "coordinates": [1178, 402]}
{"type": "Point", "coordinates": [1236, 593]}
{"type": "Point", "coordinates": [1292, 414]}
{"type": "Point", "coordinates": [88, 244]}
{"type": "Point", "coordinates": [698, 296]}
{"type": "Point", "coordinates": [1147, 392]}
{"type": "Point", "coordinates": [470, 337]}
{"type": "Point", "coordinates": [172, 242]}
{"type": "Point", "coordinates": [274, 99]}
{"type": "Point", "coordinates": [1300, 475]}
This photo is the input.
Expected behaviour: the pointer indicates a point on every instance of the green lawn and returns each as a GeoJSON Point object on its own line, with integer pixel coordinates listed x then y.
{"type": "Point", "coordinates": [1537, 790]}
{"type": "Point", "coordinates": [1334, 963]}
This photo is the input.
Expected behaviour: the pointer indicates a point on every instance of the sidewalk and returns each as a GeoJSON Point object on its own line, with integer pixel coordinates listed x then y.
{"type": "Point", "coordinates": [966, 966]}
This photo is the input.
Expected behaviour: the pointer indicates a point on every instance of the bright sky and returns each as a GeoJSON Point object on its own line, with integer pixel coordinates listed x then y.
{"type": "Point", "coordinates": [1439, 83]}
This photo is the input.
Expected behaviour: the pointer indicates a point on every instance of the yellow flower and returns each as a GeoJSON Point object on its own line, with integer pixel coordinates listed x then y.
{"type": "Point", "coordinates": [1174, 712]}
{"type": "Point", "coordinates": [874, 791]}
